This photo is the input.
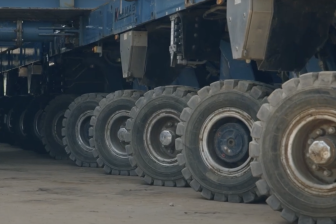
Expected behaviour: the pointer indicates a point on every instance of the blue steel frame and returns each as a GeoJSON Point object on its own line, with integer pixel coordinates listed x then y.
{"type": "Point", "coordinates": [27, 54]}
{"type": "Point", "coordinates": [52, 4]}
{"type": "Point", "coordinates": [111, 18]}
{"type": "Point", "coordinates": [118, 16]}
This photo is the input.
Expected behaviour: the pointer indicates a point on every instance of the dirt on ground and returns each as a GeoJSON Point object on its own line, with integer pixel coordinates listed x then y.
{"type": "Point", "coordinates": [36, 189]}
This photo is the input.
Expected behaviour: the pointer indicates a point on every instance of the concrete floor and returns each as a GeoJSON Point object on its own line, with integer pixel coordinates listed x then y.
{"type": "Point", "coordinates": [36, 189]}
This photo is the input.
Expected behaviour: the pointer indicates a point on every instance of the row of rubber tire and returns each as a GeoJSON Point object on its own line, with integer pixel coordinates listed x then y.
{"type": "Point", "coordinates": [189, 168]}
{"type": "Point", "coordinates": [61, 136]}
{"type": "Point", "coordinates": [21, 121]}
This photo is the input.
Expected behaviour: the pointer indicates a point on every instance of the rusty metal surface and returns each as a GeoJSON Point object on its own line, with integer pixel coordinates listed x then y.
{"type": "Point", "coordinates": [322, 151]}
{"type": "Point", "coordinates": [297, 156]}
{"type": "Point", "coordinates": [58, 15]}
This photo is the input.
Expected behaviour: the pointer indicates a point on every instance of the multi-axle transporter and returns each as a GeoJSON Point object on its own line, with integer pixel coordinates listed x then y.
{"type": "Point", "coordinates": [235, 98]}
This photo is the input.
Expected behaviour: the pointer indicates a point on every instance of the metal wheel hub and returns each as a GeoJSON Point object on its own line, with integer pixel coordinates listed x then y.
{"type": "Point", "coordinates": [114, 133]}
{"type": "Point", "coordinates": [121, 133]}
{"type": "Point", "coordinates": [57, 127]}
{"type": "Point", "coordinates": [159, 137]}
{"type": "Point", "coordinates": [308, 151]}
{"type": "Point", "coordinates": [166, 138]}
{"type": "Point", "coordinates": [82, 130]}
{"type": "Point", "coordinates": [224, 139]}
{"type": "Point", "coordinates": [322, 151]}
{"type": "Point", "coordinates": [231, 142]}
{"type": "Point", "coordinates": [38, 124]}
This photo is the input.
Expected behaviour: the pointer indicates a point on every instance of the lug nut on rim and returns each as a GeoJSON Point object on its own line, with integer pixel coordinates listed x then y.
{"type": "Point", "coordinates": [319, 131]}
{"type": "Point", "coordinates": [315, 167]}
{"type": "Point", "coordinates": [331, 130]}
{"type": "Point", "coordinates": [321, 151]}
{"type": "Point", "coordinates": [327, 173]}
{"type": "Point", "coordinates": [310, 141]}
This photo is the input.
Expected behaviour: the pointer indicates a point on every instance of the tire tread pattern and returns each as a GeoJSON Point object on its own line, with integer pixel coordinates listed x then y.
{"type": "Point", "coordinates": [183, 92]}
{"type": "Point", "coordinates": [101, 162]}
{"type": "Point", "coordinates": [47, 109]}
{"type": "Point", "coordinates": [289, 88]}
{"type": "Point", "coordinates": [258, 91]}
{"type": "Point", "coordinates": [74, 104]}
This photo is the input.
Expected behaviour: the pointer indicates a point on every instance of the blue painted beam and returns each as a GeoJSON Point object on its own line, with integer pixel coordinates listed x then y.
{"type": "Point", "coordinates": [119, 16]}
{"type": "Point", "coordinates": [30, 32]}
{"type": "Point", "coordinates": [52, 4]}
{"type": "Point", "coordinates": [6, 44]}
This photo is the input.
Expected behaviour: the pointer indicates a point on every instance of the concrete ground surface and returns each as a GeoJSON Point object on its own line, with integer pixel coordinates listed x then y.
{"type": "Point", "coordinates": [36, 189]}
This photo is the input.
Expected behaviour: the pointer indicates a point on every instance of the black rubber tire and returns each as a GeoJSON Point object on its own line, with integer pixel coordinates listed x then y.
{"type": "Point", "coordinates": [114, 102]}
{"type": "Point", "coordinates": [310, 91]}
{"type": "Point", "coordinates": [73, 147]}
{"type": "Point", "coordinates": [246, 96]}
{"type": "Point", "coordinates": [14, 108]}
{"type": "Point", "coordinates": [161, 98]}
{"type": "Point", "coordinates": [55, 110]}
{"type": "Point", "coordinates": [19, 134]}
{"type": "Point", "coordinates": [4, 101]}
{"type": "Point", "coordinates": [32, 119]}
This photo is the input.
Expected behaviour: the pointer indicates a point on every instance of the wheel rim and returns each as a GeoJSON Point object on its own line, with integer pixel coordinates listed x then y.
{"type": "Point", "coordinates": [57, 127]}
{"type": "Point", "coordinates": [38, 124]}
{"type": "Point", "coordinates": [159, 137]}
{"type": "Point", "coordinates": [308, 151]}
{"type": "Point", "coordinates": [82, 130]}
{"type": "Point", "coordinates": [22, 129]}
{"type": "Point", "coordinates": [114, 131]}
{"type": "Point", "coordinates": [224, 140]}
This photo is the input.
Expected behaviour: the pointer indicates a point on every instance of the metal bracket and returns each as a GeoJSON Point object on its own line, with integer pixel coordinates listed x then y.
{"type": "Point", "coordinates": [100, 46]}
{"type": "Point", "coordinates": [172, 47]}
{"type": "Point", "coordinates": [19, 33]}
{"type": "Point", "coordinates": [98, 49]}
{"type": "Point", "coordinates": [5, 83]}
{"type": "Point", "coordinates": [133, 51]}
{"type": "Point", "coordinates": [189, 2]}
{"type": "Point", "coordinates": [23, 72]}
{"type": "Point", "coordinates": [35, 69]}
